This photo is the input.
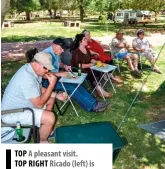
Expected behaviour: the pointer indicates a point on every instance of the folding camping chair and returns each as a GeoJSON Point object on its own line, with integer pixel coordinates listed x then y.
{"type": "Point", "coordinates": [28, 130]}
{"type": "Point", "coordinates": [116, 59]}
{"type": "Point", "coordinates": [66, 56]}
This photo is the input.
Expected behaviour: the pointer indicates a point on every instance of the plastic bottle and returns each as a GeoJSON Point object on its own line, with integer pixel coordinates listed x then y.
{"type": "Point", "coordinates": [19, 132]}
{"type": "Point", "coordinates": [79, 69]}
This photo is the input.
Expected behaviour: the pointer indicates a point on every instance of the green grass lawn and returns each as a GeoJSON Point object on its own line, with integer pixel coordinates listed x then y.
{"type": "Point", "coordinates": [36, 30]}
{"type": "Point", "coordinates": [142, 150]}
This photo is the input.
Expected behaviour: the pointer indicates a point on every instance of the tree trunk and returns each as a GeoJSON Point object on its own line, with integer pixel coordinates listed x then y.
{"type": "Point", "coordinates": [28, 15]}
{"type": "Point", "coordinates": [156, 19]}
{"type": "Point", "coordinates": [69, 14]}
{"type": "Point", "coordinates": [55, 13]}
{"type": "Point", "coordinates": [50, 12]}
{"type": "Point", "coordinates": [114, 19]}
{"type": "Point", "coordinates": [5, 6]}
{"type": "Point", "coordinates": [81, 10]}
{"type": "Point", "coordinates": [2, 18]}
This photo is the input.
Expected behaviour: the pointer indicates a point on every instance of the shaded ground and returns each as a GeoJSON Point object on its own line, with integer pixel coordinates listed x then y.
{"type": "Point", "coordinates": [16, 50]}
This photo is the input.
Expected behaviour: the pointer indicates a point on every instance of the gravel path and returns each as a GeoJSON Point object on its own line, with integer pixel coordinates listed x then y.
{"type": "Point", "coordinates": [16, 50]}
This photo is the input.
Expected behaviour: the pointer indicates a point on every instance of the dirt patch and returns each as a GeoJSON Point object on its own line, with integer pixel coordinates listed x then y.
{"type": "Point", "coordinates": [16, 51]}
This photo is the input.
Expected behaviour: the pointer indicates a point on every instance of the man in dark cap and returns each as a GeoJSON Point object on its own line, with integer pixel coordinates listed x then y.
{"type": "Point", "coordinates": [81, 96]}
{"type": "Point", "coordinates": [56, 49]}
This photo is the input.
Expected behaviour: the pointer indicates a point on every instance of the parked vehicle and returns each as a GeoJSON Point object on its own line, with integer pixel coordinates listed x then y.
{"type": "Point", "coordinates": [133, 16]}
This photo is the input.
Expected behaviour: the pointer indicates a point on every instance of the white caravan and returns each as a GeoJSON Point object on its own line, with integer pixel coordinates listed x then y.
{"type": "Point", "coordinates": [132, 16]}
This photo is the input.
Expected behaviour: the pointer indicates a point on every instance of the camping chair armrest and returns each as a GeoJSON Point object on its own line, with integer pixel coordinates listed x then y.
{"type": "Point", "coordinates": [12, 111]}
{"type": "Point", "coordinates": [22, 110]}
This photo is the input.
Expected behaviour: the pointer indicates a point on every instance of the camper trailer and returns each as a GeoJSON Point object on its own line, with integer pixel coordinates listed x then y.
{"type": "Point", "coordinates": [133, 16]}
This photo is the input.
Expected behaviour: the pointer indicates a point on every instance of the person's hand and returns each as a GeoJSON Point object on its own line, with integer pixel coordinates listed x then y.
{"type": "Point", "coordinates": [150, 46]}
{"type": "Point", "coordinates": [93, 61]}
{"type": "Point", "coordinates": [51, 78]}
{"type": "Point", "coordinates": [64, 74]}
{"type": "Point", "coordinates": [97, 55]}
{"type": "Point", "coordinates": [126, 45]}
{"type": "Point", "coordinates": [67, 68]}
{"type": "Point", "coordinates": [91, 64]}
{"type": "Point", "coordinates": [142, 50]}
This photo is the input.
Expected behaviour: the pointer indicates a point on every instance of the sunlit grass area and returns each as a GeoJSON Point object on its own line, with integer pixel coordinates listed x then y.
{"type": "Point", "coordinates": [142, 150]}
{"type": "Point", "coordinates": [37, 30]}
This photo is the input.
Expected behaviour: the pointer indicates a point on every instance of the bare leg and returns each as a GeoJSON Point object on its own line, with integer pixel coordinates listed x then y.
{"type": "Point", "coordinates": [106, 94]}
{"type": "Point", "coordinates": [130, 65]}
{"type": "Point", "coordinates": [152, 61]}
{"type": "Point", "coordinates": [135, 62]}
{"type": "Point", "coordinates": [50, 104]}
{"type": "Point", "coordinates": [47, 123]}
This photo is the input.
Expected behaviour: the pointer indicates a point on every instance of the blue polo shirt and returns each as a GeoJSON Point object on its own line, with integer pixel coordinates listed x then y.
{"type": "Point", "coordinates": [56, 60]}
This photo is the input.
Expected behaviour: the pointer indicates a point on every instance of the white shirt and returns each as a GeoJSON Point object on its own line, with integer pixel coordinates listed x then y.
{"type": "Point", "coordinates": [141, 43]}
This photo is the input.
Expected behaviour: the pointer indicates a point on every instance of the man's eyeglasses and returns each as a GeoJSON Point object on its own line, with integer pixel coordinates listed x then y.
{"type": "Point", "coordinates": [46, 68]}
{"type": "Point", "coordinates": [42, 65]}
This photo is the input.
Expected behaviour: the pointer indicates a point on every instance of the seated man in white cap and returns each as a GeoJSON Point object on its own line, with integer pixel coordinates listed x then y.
{"type": "Point", "coordinates": [144, 48]}
{"type": "Point", "coordinates": [25, 90]}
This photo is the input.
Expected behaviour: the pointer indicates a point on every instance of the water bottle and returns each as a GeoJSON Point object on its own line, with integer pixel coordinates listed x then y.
{"type": "Point", "coordinates": [19, 132]}
{"type": "Point", "coordinates": [79, 69]}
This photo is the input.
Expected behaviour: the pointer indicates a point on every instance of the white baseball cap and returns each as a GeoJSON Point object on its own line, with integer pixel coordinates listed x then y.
{"type": "Point", "coordinates": [45, 59]}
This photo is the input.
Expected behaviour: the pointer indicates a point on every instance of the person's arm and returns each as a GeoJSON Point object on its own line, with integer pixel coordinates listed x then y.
{"type": "Point", "coordinates": [52, 95]}
{"type": "Point", "coordinates": [123, 44]}
{"type": "Point", "coordinates": [117, 44]}
{"type": "Point", "coordinates": [41, 100]}
{"type": "Point", "coordinates": [88, 65]}
{"type": "Point", "coordinates": [66, 67]}
{"type": "Point", "coordinates": [120, 45]}
{"type": "Point", "coordinates": [61, 74]}
{"type": "Point", "coordinates": [94, 53]}
{"type": "Point", "coordinates": [149, 44]}
{"type": "Point", "coordinates": [136, 48]}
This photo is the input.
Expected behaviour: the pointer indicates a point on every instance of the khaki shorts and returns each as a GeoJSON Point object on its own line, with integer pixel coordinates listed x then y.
{"type": "Point", "coordinates": [149, 55]}
{"type": "Point", "coordinates": [24, 117]}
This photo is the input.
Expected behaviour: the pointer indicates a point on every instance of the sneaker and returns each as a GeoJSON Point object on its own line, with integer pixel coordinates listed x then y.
{"type": "Point", "coordinates": [100, 106]}
{"type": "Point", "coordinates": [136, 73]}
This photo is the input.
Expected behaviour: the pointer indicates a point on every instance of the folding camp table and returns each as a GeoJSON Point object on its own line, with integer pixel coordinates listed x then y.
{"type": "Point", "coordinates": [107, 70]}
{"type": "Point", "coordinates": [79, 80]}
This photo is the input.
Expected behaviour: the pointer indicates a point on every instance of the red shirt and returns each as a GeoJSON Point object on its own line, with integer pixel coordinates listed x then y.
{"type": "Point", "coordinates": [96, 47]}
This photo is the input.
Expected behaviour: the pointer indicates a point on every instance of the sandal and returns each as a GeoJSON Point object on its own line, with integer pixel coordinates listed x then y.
{"type": "Point", "coordinates": [62, 96]}
{"type": "Point", "coordinates": [157, 70]}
